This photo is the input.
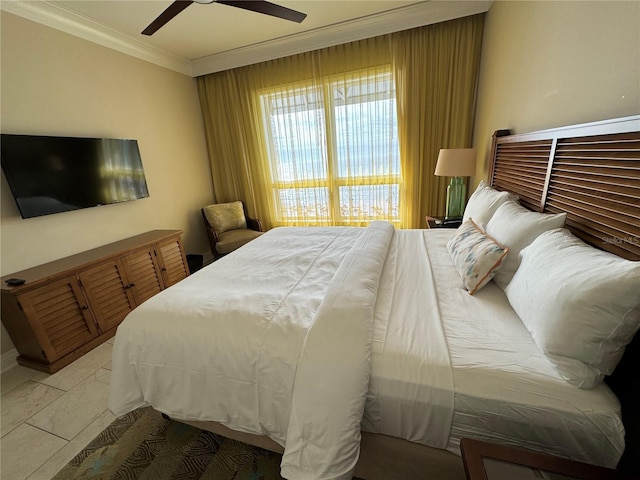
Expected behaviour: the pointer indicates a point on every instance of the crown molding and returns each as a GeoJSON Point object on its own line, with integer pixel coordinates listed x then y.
{"type": "Point", "coordinates": [70, 22]}
{"type": "Point", "coordinates": [402, 18]}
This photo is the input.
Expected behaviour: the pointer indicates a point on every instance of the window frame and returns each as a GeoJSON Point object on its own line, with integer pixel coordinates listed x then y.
{"type": "Point", "coordinates": [332, 181]}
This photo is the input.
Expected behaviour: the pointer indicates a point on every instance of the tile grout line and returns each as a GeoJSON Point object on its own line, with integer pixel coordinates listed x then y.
{"type": "Point", "coordinates": [45, 431]}
{"type": "Point", "coordinates": [60, 437]}
{"type": "Point", "coordinates": [46, 385]}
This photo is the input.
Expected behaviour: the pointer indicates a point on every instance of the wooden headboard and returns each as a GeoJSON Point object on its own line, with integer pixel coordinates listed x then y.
{"type": "Point", "coordinates": [592, 172]}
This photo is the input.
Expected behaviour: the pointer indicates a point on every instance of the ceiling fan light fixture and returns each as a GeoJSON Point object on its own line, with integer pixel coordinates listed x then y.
{"type": "Point", "coordinates": [204, 2]}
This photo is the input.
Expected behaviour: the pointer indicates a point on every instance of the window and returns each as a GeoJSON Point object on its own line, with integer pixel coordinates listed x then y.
{"type": "Point", "coordinates": [333, 150]}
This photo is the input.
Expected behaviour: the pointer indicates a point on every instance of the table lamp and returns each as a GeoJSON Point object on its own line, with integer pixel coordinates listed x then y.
{"type": "Point", "coordinates": [456, 163]}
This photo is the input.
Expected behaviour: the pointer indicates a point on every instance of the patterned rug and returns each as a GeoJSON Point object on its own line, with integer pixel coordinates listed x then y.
{"type": "Point", "coordinates": [144, 446]}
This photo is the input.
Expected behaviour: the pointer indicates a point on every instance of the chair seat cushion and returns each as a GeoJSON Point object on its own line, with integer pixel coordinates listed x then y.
{"type": "Point", "coordinates": [232, 239]}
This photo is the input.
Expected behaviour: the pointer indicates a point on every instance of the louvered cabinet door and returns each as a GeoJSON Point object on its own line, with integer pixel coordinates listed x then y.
{"type": "Point", "coordinates": [59, 316]}
{"type": "Point", "coordinates": [108, 293]}
{"type": "Point", "coordinates": [143, 273]}
{"type": "Point", "coordinates": [172, 261]}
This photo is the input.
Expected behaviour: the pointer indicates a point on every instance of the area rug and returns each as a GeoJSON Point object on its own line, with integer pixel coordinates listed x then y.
{"type": "Point", "coordinates": [143, 445]}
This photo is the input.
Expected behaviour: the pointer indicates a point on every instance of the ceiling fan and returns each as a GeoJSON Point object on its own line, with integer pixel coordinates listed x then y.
{"type": "Point", "coordinates": [260, 6]}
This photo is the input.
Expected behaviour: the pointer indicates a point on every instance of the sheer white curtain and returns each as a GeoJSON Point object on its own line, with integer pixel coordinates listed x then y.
{"type": "Point", "coordinates": [332, 148]}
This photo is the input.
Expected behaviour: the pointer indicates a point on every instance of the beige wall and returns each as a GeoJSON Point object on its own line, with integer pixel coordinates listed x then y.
{"type": "Point", "coordinates": [552, 63]}
{"type": "Point", "coordinates": [57, 84]}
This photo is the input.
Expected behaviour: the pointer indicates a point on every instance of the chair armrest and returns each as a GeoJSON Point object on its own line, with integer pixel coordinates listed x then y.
{"type": "Point", "coordinates": [211, 234]}
{"type": "Point", "coordinates": [254, 224]}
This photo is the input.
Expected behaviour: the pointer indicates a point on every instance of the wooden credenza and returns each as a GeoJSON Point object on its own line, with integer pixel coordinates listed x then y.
{"type": "Point", "coordinates": [69, 306]}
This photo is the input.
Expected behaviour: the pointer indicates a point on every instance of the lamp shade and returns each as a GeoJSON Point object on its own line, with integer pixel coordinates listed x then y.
{"type": "Point", "coordinates": [456, 162]}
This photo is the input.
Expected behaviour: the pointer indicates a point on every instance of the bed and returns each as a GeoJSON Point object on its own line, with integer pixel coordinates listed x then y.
{"type": "Point", "coordinates": [361, 350]}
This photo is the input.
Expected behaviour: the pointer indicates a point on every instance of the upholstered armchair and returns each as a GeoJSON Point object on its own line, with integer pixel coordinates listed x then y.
{"type": "Point", "coordinates": [229, 227]}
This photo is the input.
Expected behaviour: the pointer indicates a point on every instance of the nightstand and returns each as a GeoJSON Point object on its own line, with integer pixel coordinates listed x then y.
{"type": "Point", "coordinates": [489, 461]}
{"type": "Point", "coordinates": [442, 222]}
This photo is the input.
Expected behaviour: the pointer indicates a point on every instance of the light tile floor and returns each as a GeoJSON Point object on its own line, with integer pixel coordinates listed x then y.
{"type": "Point", "coordinates": [45, 420]}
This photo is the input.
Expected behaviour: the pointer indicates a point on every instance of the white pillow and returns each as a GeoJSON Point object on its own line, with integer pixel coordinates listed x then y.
{"type": "Point", "coordinates": [477, 256]}
{"type": "Point", "coordinates": [484, 202]}
{"type": "Point", "coordinates": [516, 227]}
{"type": "Point", "coordinates": [581, 305]}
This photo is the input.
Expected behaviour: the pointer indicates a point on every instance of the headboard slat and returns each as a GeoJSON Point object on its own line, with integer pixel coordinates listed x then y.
{"type": "Point", "coordinates": [566, 203]}
{"type": "Point", "coordinates": [592, 197]}
{"type": "Point", "coordinates": [621, 172]}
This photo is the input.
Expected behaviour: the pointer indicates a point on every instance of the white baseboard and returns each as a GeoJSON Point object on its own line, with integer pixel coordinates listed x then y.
{"type": "Point", "coordinates": [8, 360]}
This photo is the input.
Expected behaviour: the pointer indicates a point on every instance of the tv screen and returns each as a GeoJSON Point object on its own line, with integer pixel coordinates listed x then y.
{"type": "Point", "coordinates": [57, 174]}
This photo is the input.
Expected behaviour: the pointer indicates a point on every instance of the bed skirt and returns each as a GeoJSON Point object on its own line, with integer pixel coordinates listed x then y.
{"type": "Point", "coordinates": [381, 456]}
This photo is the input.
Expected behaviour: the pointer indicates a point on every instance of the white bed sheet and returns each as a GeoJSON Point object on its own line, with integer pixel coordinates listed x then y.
{"type": "Point", "coordinates": [411, 384]}
{"type": "Point", "coordinates": [504, 388]}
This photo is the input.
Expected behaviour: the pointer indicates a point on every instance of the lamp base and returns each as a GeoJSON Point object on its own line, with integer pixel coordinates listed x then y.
{"type": "Point", "coordinates": [456, 196]}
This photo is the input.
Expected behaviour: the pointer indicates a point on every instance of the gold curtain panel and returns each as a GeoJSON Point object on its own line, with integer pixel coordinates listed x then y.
{"type": "Point", "coordinates": [346, 134]}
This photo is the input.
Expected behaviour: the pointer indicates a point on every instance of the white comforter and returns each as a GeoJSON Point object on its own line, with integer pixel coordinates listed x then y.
{"type": "Point", "coordinates": [275, 341]}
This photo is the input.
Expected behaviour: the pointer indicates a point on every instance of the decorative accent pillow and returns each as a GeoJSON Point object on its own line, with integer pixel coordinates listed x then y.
{"type": "Point", "coordinates": [477, 257]}
{"type": "Point", "coordinates": [226, 216]}
{"type": "Point", "coordinates": [484, 202]}
{"type": "Point", "coordinates": [516, 227]}
{"type": "Point", "coordinates": [581, 305]}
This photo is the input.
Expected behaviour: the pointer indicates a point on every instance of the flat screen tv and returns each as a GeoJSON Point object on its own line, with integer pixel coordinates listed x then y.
{"type": "Point", "coordinates": [57, 174]}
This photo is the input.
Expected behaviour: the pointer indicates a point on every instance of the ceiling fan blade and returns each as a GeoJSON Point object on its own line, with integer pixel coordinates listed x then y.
{"type": "Point", "coordinates": [268, 8]}
{"type": "Point", "coordinates": [174, 9]}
